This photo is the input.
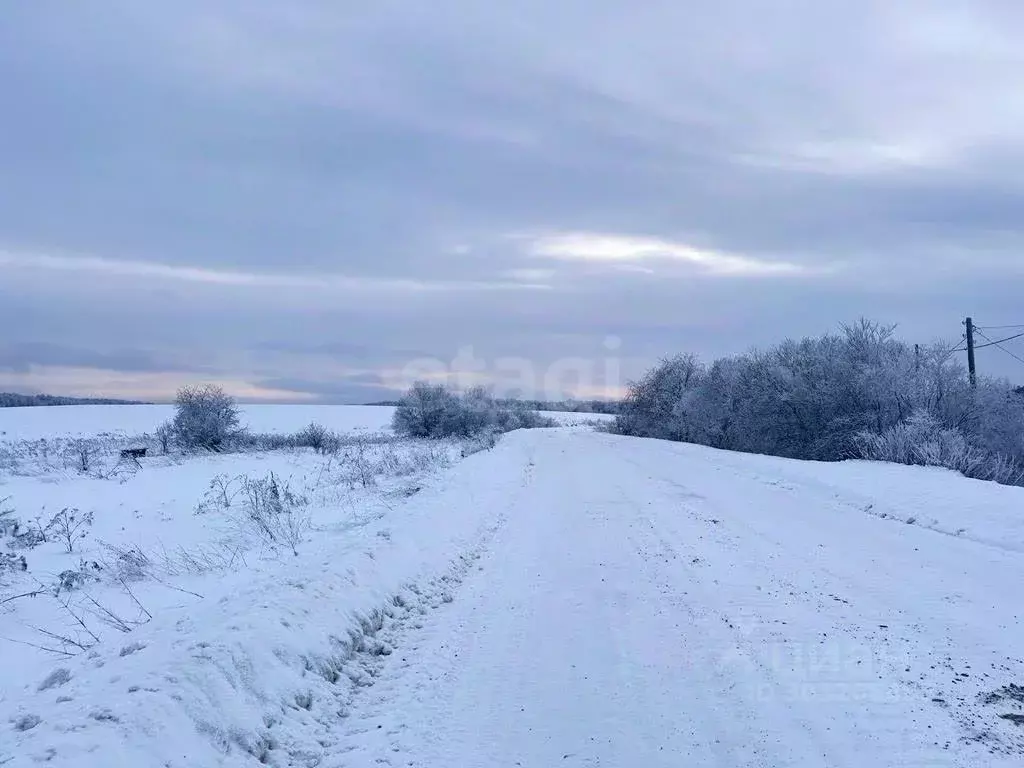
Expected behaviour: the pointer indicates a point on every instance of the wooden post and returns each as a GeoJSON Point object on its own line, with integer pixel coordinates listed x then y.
{"type": "Point", "coordinates": [970, 353]}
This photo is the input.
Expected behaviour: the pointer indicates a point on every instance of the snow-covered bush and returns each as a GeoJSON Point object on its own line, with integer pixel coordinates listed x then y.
{"type": "Point", "coordinates": [126, 563]}
{"type": "Point", "coordinates": [431, 410]}
{"type": "Point", "coordinates": [206, 418]}
{"type": "Point", "coordinates": [12, 563]}
{"type": "Point", "coordinates": [276, 513]}
{"type": "Point", "coordinates": [363, 463]}
{"type": "Point", "coordinates": [80, 454]}
{"type": "Point", "coordinates": [9, 524]}
{"type": "Point", "coordinates": [15, 533]}
{"type": "Point", "coordinates": [262, 441]}
{"type": "Point", "coordinates": [315, 436]}
{"type": "Point", "coordinates": [652, 406]}
{"type": "Point", "coordinates": [824, 398]}
{"type": "Point", "coordinates": [922, 440]}
{"type": "Point", "coordinates": [482, 442]}
{"type": "Point", "coordinates": [56, 454]}
{"type": "Point", "coordinates": [72, 579]}
{"type": "Point", "coordinates": [69, 526]}
{"type": "Point", "coordinates": [319, 438]}
{"type": "Point", "coordinates": [165, 436]}
{"type": "Point", "coordinates": [436, 411]}
{"type": "Point", "coordinates": [513, 416]}
{"type": "Point", "coordinates": [996, 421]}
{"type": "Point", "coordinates": [220, 494]}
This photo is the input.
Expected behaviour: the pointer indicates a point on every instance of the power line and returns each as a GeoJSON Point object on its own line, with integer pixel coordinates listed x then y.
{"type": "Point", "coordinates": [953, 351]}
{"type": "Point", "coordinates": [999, 327]}
{"type": "Point", "coordinates": [996, 343]}
{"type": "Point", "coordinates": [1000, 346]}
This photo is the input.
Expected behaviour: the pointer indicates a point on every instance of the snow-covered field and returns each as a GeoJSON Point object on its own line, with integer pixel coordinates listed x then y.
{"type": "Point", "coordinates": [567, 598]}
{"type": "Point", "coordinates": [92, 420]}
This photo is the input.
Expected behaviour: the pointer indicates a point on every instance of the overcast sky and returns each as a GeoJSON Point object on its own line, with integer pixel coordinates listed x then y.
{"type": "Point", "coordinates": [315, 200]}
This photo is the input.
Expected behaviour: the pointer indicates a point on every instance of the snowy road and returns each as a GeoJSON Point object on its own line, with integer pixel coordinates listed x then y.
{"type": "Point", "coordinates": [664, 605]}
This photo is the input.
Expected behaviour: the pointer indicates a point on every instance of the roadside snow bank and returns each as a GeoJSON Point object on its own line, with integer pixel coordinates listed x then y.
{"type": "Point", "coordinates": [929, 497]}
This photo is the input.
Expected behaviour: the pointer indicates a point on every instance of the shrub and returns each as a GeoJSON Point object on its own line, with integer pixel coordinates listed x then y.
{"type": "Point", "coordinates": [126, 563]}
{"type": "Point", "coordinates": [12, 563]}
{"type": "Point", "coordinates": [651, 408]}
{"type": "Point", "coordinates": [435, 411]}
{"type": "Point", "coordinates": [516, 416]}
{"type": "Point", "coordinates": [207, 418]}
{"type": "Point", "coordinates": [221, 492]}
{"type": "Point", "coordinates": [859, 392]}
{"type": "Point", "coordinates": [319, 438]}
{"type": "Point", "coordinates": [81, 453]}
{"type": "Point", "coordinates": [76, 578]}
{"type": "Point", "coordinates": [922, 440]}
{"type": "Point", "coordinates": [165, 436]}
{"type": "Point", "coordinates": [21, 536]}
{"type": "Point", "coordinates": [364, 462]}
{"type": "Point", "coordinates": [9, 524]}
{"type": "Point", "coordinates": [427, 410]}
{"type": "Point", "coordinates": [482, 442]}
{"type": "Point", "coordinates": [275, 511]}
{"type": "Point", "coordinates": [262, 441]}
{"type": "Point", "coordinates": [69, 526]}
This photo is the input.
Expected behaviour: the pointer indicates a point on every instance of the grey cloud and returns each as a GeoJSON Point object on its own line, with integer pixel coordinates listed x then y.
{"type": "Point", "coordinates": [20, 357]}
{"type": "Point", "coordinates": [351, 390]}
{"type": "Point", "coordinates": [408, 141]}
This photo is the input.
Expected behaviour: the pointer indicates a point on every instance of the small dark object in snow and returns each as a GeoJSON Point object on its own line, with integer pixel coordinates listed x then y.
{"type": "Point", "coordinates": [27, 723]}
{"type": "Point", "coordinates": [133, 453]}
{"type": "Point", "coordinates": [55, 679]}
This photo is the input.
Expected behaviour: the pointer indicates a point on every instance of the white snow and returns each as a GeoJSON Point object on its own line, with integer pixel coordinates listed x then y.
{"type": "Point", "coordinates": [568, 598]}
{"type": "Point", "coordinates": [33, 423]}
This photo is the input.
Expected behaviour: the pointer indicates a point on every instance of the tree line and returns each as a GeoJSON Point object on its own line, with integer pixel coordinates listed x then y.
{"type": "Point", "coordinates": [857, 393]}
{"type": "Point", "coordinates": [14, 400]}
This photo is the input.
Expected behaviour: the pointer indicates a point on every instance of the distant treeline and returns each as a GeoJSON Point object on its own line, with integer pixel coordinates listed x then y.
{"type": "Point", "coordinates": [563, 406]}
{"type": "Point", "coordinates": [14, 400]}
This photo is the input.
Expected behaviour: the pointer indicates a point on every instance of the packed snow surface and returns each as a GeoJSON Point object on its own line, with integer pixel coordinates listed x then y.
{"type": "Point", "coordinates": [567, 598]}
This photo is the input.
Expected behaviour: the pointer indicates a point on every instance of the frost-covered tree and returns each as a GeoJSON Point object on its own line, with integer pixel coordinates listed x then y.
{"type": "Point", "coordinates": [426, 410]}
{"type": "Point", "coordinates": [821, 398]}
{"type": "Point", "coordinates": [435, 411]}
{"type": "Point", "coordinates": [656, 405]}
{"type": "Point", "coordinates": [206, 417]}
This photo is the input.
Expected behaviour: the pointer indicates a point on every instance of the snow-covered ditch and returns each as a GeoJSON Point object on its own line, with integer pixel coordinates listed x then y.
{"type": "Point", "coordinates": [161, 603]}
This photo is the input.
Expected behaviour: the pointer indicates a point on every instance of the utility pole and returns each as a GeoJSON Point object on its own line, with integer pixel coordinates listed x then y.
{"type": "Point", "coordinates": [970, 352]}
{"type": "Point", "coordinates": [917, 357]}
